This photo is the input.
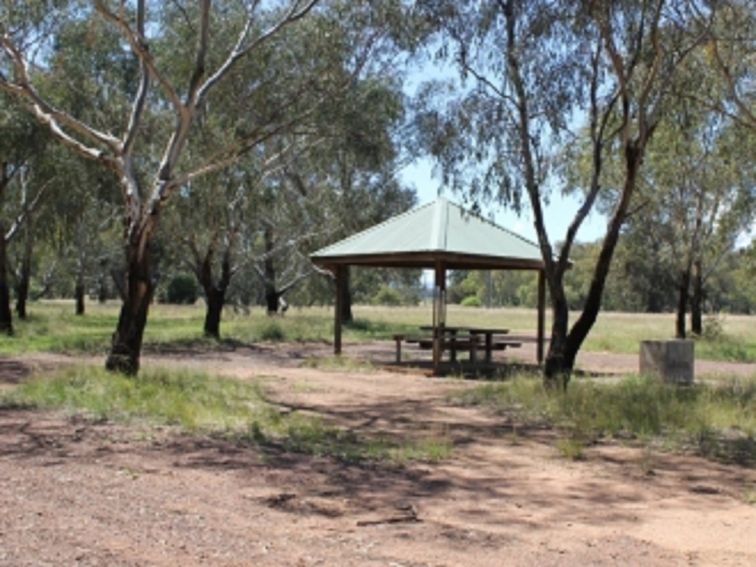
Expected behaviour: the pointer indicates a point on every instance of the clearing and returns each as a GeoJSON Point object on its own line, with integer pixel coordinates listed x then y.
{"type": "Point", "coordinates": [76, 491]}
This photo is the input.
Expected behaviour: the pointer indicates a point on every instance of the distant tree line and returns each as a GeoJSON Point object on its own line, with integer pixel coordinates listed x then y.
{"type": "Point", "coordinates": [638, 282]}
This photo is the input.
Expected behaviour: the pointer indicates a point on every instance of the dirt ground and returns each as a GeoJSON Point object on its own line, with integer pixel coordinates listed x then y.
{"type": "Point", "coordinates": [77, 492]}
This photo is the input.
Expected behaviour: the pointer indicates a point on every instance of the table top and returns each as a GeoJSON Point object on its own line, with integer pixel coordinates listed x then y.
{"type": "Point", "coordinates": [471, 330]}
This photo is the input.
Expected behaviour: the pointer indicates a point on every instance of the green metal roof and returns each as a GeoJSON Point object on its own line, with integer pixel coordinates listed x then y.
{"type": "Point", "coordinates": [440, 230]}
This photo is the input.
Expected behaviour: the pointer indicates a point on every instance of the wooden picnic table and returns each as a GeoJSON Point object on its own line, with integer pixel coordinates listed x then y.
{"type": "Point", "coordinates": [474, 333]}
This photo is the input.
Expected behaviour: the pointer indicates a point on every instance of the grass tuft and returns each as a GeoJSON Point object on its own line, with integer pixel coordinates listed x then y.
{"type": "Point", "coordinates": [201, 404]}
{"type": "Point", "coordinates": [718, 421]}
{"type": "Point", "coordinates": [272, 332]}
{"type": "Point", "coordinates": [339, 364]}
{"type": "Point", "coordinates": [570, 448]}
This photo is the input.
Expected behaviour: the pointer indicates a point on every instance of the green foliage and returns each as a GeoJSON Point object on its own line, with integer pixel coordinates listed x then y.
{"type": "Point", "coordinates": [570, 448]}
{"type": "Point", "coordinates": [182, 290]}
{"type": "Point", "coordinates": [188, 399]}
{"type": "Point", "coordinates": [471, 301]}
{"type": "Point", "coordinates": [272, 332]}
{"type": "Point", "coordinates": [716, 420]}
{"type": "Point", "coordinates": [387, 296]}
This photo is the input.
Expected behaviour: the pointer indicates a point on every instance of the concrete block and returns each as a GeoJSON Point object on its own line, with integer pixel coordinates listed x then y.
{"type": "Point", "coordinates": [671, 360]}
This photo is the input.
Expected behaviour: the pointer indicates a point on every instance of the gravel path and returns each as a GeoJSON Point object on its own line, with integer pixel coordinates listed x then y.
{"type": "Point", "coordinates": [74, 492]}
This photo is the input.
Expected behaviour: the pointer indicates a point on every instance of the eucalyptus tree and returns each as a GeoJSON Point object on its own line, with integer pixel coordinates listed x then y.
{"type": "Point", "coordinates": [698, 191]}
{"type": "Point", "coordinates": [529, 72]}
{"type": "Point", "coordinates": [22, 184]}
{"type": "Point", "coordinates": [339, 62]}
{"type": "Point", "coordinates": [147, 163]}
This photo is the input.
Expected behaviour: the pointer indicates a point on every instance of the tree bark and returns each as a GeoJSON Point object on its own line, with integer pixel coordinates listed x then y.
{"type": "Point", "coordinates": [272, 295]}
{"type": "Point", "coordinates": [102, 287]}
{"type": "Point", "coordinates": [559, 359]}
{"type": "Point", "coordinates": [79, 297]}
{"type": "Point", "coordinates": [24, 275]}
{"type": "Point", "coordinates": [215, 299]}
{"type": "Point", "coordinates": [696, 300]}
{"type": "Point", "coordinates": [139, 287]}
{"type": "Point", "coordinates": [215, 294]}
{"type": "Point", "coordinates": [22, 294]}
{"type": "Point", "coordinates": [6, 317]}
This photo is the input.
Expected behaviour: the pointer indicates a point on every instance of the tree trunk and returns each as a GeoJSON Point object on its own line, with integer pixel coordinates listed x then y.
{"type": "Point", "coordinates": [102, 288]}
{"type": "Point", "coordinates": [696, 300]}
{"type": "Point", "coordinates": [6, 317]}
{"type": "Point", "coordinates": [682, 303]}
{"type": "Point", "coordinates": [215, 292]}
{"type": "Point", "coordinates": [564, 346]}
{"type": "Point", "coordinates": [215, 299]}
{"type": "Point", "coordinates": [22, 294]}
{"type": "Point", "coordinates": [559, 359]}
{"type": "Point", "coordinates": [139, 287]}
{"type": "Point", "coordinates": [346, 299]}
{"type": "Point", "coordinates": [272, 297]}
{"type": "Point", "coordinates": [24, 272]}
{"type": "Point", "coordinates": [269, 272]}
{"type": "Point", "coordinates": [79, 296]}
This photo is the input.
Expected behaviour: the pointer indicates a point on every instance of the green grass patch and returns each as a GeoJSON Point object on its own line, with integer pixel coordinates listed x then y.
{"type": "Point", "coordinates": [201, 404]}
{"type": "Point", "coordinates": [190, 400]}
{"type": "Point", "coordinates": [571, 448]}
{"type": "Point", "coordinates": [716, 420]}
{"type": "Point", "coordinates": [339, 364]}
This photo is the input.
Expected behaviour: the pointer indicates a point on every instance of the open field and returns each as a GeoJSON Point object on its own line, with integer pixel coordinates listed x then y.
{"type": "Point", "coordinates": [53, 327]}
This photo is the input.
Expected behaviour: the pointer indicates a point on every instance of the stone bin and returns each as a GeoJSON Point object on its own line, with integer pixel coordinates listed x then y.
{"type": "Point", "coordinates": [671, 360]}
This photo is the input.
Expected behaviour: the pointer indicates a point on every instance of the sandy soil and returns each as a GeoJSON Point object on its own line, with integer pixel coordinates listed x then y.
{"type": "Point", "coordinates": [74, 492]}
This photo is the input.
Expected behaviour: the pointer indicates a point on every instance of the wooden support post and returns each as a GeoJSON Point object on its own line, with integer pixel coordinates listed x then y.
{"type": "Point", "coordinates": [340, 277]}
{"type": "Point", "coordinates": [541, 314]}
{"type": "Point", "coordinates": [439, 316]}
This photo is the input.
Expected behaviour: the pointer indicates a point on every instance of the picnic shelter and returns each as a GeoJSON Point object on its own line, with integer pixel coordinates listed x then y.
{"type": "Point", "coordinates": [439, 236]}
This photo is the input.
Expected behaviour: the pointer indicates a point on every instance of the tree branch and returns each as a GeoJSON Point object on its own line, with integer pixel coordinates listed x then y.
{"type": "Point", "coordinates": [138, 43]}
{"type": "Point", "coordinates": [240, 49]}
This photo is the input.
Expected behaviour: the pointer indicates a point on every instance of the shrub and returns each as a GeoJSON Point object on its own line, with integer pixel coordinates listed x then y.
{"type": "Point", "coordinates": [713, 328]}
{"type": "Point", "coordinates": [471, 301]}
{"type": "Point", "coordinates": [182, 289]}
{"type": "Point", "coordinates": [387, 296]}
{"type": "Point", "coordinates": [272, 331]}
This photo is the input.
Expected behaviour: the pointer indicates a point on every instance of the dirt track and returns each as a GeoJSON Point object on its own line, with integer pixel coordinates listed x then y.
{"type": "Point", "coordinates": [76, 492]}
